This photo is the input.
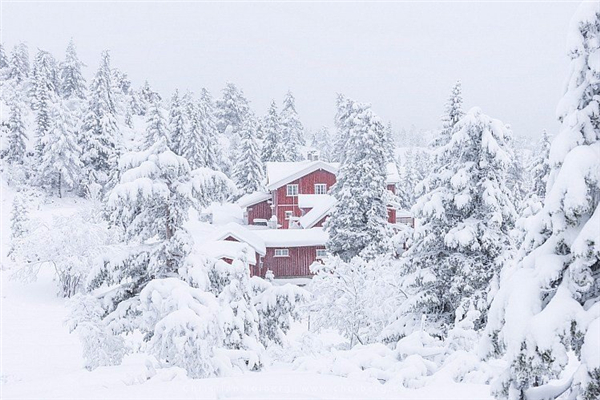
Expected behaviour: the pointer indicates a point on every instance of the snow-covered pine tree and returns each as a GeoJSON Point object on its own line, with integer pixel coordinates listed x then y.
{"type": "Point", "coordinates": [60, 164]}
{"type": "Point", "coordinates": [19, 63]}
{"type": "Point", "coordinates": [43, 95]}
{"type": "Point", "coordinates": [148, 96]}
{"type": "Point", "coordinates": [19, 225]}
{"type": "Point", "coordinates": [274, 148]}
{"type": "Point", "coordinates": [540, 168]}
{"type": "Point", "coordinates": [465, 216]}
{"type": "Point", "coordinates": [344, 110]}
{"type": "Point", "coordinates": [210, 132]}
{"type": "Point", "coordinates": [150, 204]}
{"type": "Point", "coordinates": [4, 62]}
{"type": "Point", "coordinates": [545, 318]}
{"type": "Point", "coordinates": [178, 123]}
{"type": "Point", "coordinates": [390, 146]}
{"type": "Point", "coordinates": [249, 172]}
{"type": "Point", "coordinates": [322, 142]}
{"type": "Point", "coordinates": [16, 134]}
{"type": "Point", "coordinates": [452, 114]}
{"type": "Point", "coordinates": [232, 110]}
{"type": "Point", "coordinates": [291, 128]}
{"type": "Point", "coordinates": [358, 222]}
{"type": "Point", "coordinates": [71, 79]}
{"type": "Point", "coordinates": [100, 139]}
{"type": "Point", "coordinates": [157, 128]}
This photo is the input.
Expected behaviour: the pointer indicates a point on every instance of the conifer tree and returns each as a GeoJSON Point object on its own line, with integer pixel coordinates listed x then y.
{"type": "Point", "coordinates": [4, 63]}
{"type": "Point", "coordinates": [292, 129]}
{"type": "Point", "coordinates": [249, 170]}
{"type": "Point", "coordinates": [322, 142]}
{"type": "Point", "coordinates": [43, 95]}
{"type": "Point", "coordinates": [72, 81]}
{"type": "Point", "coordinates": [540, 169]}
{"type": "Point", "coordinates": [465, 217]}
{"type": "Point", "coordinates": [274, 148]}
{"type": "Point", "coordinates": [100, 135]}
{"type": "Point", "coordinates": [232, 110]}
{"type": "Point", "coordinates": [390, 146]}
{"type": "Point", "coordinates": [452, 115]}
{"type": "Point", "coordinates": [19, 60]}
{"type": "Point", "coordinates": [60, 164]}
{"type": "Point", "coordinates": [17, 134]}
{"type": "Point", "coordinates": [157, 125]}
{"type": "Point", "coordinates": [212, 150]}
{"type": "Point", "coordinates": [546, 311]}
{"type": "Point", "coordinates": [358, 222]}
{"type": "Point", "coordinates": [344, 110]}
{"type": "Point", "coordinates": [178, 122]}
{"type": "Point", "coordinates": [19, 225]}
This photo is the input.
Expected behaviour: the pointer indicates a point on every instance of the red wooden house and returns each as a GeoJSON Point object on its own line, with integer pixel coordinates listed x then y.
{"type": "Point", "coordinates": [286, 221]}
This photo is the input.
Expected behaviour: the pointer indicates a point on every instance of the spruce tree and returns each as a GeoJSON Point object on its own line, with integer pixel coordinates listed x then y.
{"type": "Point", "coordinates": [178, 123]}
{"type": "Point", "coordinates": [540, 169]}
{"type": "Point", "coordinates": [43, 95]}
{"type": "Point", "coordinates": [100, 135]}
{"type": "Point", "coordinates": [232, 110]}
{"type": "Point", "coordinates": [358, 222]}
{"type": "Point", "coordinates": [4, 63]}
{"type": "Point", "coordinates": [292, 129]}
{"type": "Point", "coordinates": [344, 110]}
{"type": "Point", "coordinates": [274, 148]}
{"type": "Point", "coordinates": [322, 142]}
{"type": "Point", "coordinates": [452, 114]}
{"type": "Point", "coordinates": [248, 172]}
{"type": "Point", "coordinates": [60, 164]}
{"type": "Point", "coordinates": [72, 83]}
{"type": "Point", "coordinates": [17, 134]}
{"type": "Point", "coordinates": [390, 146]}
{"type": "Point", "coordinates": [546, 311]}
{"type": "Point", "coordinates": [210, 143]}
{"type": "Point", "coordinates": [465, 217]}
{"type": "Point", "coordinates": [19, 60]}
{"type": "Point", "coordinates": [157, 128]}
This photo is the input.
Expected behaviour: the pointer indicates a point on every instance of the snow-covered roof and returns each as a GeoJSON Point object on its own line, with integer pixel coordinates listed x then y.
{"type": "Point", "coordinates": [393, 176]}
{"type": "Point", "coordinates": [292, 237]}
{"type": "Point", "coordinates": [280, 173]}
{"type": "Point", "coordinates": [242, 234]}
{"type": "Point", "coordinates": [321, 204]}
{"type": "Point", "coordinates": [251, 199]}
{"type": "Point", "coordinates": [403, 214]}
{"type": "Point", "coordinates": [312, 200]}
{"type": "Point", "coordinates": [229, 249]}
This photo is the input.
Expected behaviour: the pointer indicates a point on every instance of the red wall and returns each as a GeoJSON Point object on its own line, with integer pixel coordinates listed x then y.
{"type": "Point", "coordinates": [260, 210]}
{"type": "Point", "coordinates": [306, 185]}
{"type": "Point", "coordinates": [392, 215]}
{"type": "Point", "coordinates": [297, 264]}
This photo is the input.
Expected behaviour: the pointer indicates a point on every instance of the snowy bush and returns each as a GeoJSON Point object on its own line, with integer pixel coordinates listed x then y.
{"type": "Point", "coordinates": [70, 245]}
{"type": "Point", "coordinates": [277, 307]}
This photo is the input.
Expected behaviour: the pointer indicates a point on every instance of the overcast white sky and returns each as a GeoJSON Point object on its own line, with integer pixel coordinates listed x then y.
{"type": "Point", "coordinates": [401, 57]}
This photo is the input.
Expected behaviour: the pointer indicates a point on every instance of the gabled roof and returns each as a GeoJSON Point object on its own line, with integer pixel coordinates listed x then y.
{"type": "Point", "coordinates": [280, 173]}
{"type": "Point", "coordinates": [242, 234]}
{"type": "Point", "coordinates": [251, 199]}
{"type": "Point", "coordinates": [321, 204]}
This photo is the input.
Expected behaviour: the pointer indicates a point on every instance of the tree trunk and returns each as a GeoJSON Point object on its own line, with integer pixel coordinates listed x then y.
{"type": "Point", "coordinates": [60, 185]}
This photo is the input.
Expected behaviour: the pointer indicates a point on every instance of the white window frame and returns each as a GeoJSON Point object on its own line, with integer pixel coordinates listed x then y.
{"type": "Point", "coordinates": [282, 252]}
{"type": "Point", "coordinates": [321, 185]}
{"type": "Point", "coordinates": [289, 215]}
{"type": "Point", "coordinates": [323, 255]}
{"type": "Point", "coordinates": [292, 190]}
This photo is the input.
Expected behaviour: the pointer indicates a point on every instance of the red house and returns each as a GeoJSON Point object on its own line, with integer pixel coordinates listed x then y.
{"type": "Point", "coordinates": [285, 222]}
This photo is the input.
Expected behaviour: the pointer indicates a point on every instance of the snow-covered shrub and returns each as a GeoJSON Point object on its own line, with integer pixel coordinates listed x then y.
{"type": "Point", "coordinates": [356, 298]}
{"type": "Point", "coordinates": [69, 244]}
{"type": "Point", "coordinates": [277, 307]}
{"type": "Point", "coordinates": [100, 346]}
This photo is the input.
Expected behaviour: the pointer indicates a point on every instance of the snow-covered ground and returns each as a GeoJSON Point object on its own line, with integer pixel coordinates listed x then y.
{"type": "Point", "coordinates": [41, 360]}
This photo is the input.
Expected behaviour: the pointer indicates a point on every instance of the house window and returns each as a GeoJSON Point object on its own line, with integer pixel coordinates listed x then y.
{"type": "Point", "coordinates": [292, 190]}
{"type": "Point", "coordinates": [289, 215]}
{"type": "Point", "coordinates": [320, 188]}
{"type": "Point", "coordinates": [321, 253]}
{"type": "Point", "coordinates": [282, 252]}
